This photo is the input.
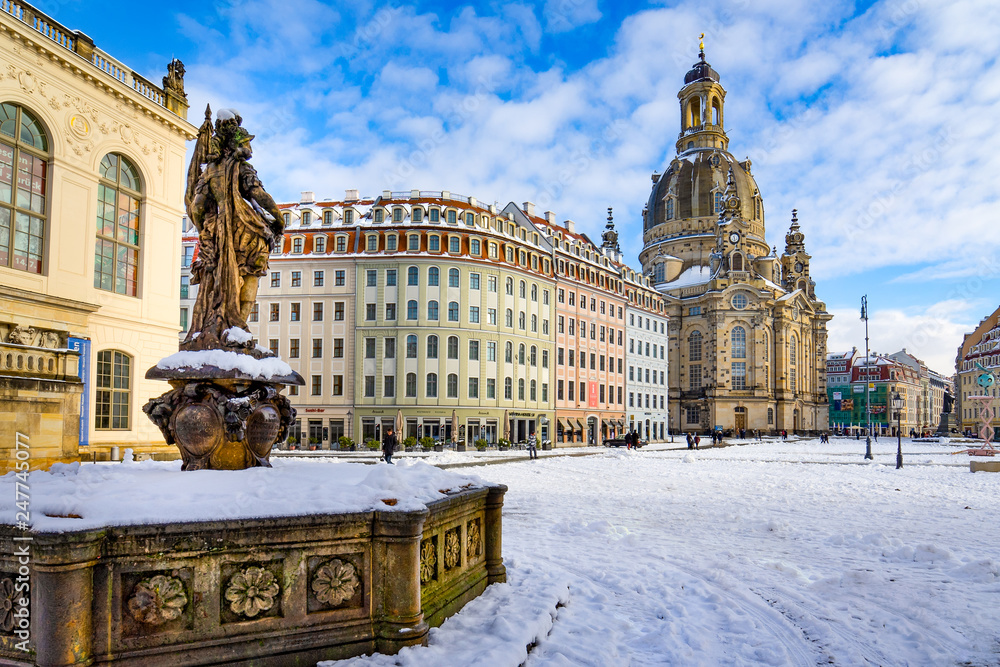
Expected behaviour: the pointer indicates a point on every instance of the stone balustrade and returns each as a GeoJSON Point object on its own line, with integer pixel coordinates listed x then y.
{"type": "Point", "coordinates": [28, 361]}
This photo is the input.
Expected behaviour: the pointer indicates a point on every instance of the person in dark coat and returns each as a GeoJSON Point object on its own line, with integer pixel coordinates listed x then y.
{"type": "Point", "coordinates": [690, 441]}
{"type": "Point", "coordinates": [388, 445]}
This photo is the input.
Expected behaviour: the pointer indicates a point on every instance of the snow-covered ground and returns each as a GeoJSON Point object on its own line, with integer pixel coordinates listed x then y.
{"type": "Point", "coordinates": [795, 553]}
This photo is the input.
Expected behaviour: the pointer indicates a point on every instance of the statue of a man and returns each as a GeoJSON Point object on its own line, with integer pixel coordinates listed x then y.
{"type": "Point", "coordinates": [238, 223]}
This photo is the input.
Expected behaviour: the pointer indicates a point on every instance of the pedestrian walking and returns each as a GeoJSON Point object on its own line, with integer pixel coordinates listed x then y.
{"type": "Point", "coordinates": [388, 445]}
{"type": "Point", "coordinates": [697, 441]}
{"type": "Point", "coordinates": [690, 441]}
{"type": "Point", "coordinates": [532, 446]}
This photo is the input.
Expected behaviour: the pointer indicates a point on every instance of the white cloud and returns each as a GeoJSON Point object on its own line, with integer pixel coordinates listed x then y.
{"type": "Point", "coordinates": [566, 15]}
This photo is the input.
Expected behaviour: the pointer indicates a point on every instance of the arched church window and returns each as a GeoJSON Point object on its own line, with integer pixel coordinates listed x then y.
{"type": "Point", "coordinates": [738, 338]}
{"type": "Point", "coordinates": [670, 209]}
{"type": "Point", "coordinates": [24, 156]}
{"type": "Point", "coordinates": [736, 260]}
{"type": "Point", "coordinates": [117, 254]}
{"type": "Point", "coordinates": [791, 350]}
{"type": "Point", "coordinates": [694, 346]}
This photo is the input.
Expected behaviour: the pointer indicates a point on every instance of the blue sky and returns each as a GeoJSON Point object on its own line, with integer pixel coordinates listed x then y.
{"type": "Point", "coordinates": [875, 120]}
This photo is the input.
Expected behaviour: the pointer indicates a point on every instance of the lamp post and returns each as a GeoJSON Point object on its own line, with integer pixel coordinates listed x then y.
{"type": "Point", "coordinates": [897, 405]}
{"type": "Point", "coordinates": [868, 400]}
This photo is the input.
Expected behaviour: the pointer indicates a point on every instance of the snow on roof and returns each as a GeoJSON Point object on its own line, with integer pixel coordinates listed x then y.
{"type": "Point", "coordinates": [695, 275]}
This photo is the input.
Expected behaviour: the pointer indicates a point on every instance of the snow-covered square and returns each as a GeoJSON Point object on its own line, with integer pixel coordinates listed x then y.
{"type": "Point", "coordinates": [777, 553]}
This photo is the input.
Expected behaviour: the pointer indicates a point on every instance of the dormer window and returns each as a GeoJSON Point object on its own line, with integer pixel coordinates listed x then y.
{"type": "Point", "coordinates": [470, 219]}
{"type": "Point", "coordinates": [319, 244]}
{"type": "Point", "coordinates": [341, 243]}
{"type": "Point", "coordinates": [372, 240]}
{"type": "Point", "coordinates": [397, 215]}
{"type": "Point", "coordinates": [413, 242]}
{"type": "Point", "coordinates": [433, 243]}
{"type": "Point", "coordinates": [452, 217]}
{"type": "Point", "coordinates": [435, 215]}
{"type": "Point", "coordinates": [328, 217]}
{"type": "Point", "coordinates": [390, 243]}
{"type": "Point", "coordinates": [297, 244]}
{"type": "Point", "coordinates": [348, 216]}
{"type": "Point", "coordinates": [418, 214]}
{"type": "Point", "coordinates": [379, 215]}
{"type": "Point", "coordinates": [454, 245]}
{"type": "Point", "coordinates": [287, 218]}
{"type": "Point", "coordinates": [306, 217]}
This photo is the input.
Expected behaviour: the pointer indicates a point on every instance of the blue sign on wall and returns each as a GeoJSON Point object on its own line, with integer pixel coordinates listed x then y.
{"type": "Point", "coordinates": [82, 345]}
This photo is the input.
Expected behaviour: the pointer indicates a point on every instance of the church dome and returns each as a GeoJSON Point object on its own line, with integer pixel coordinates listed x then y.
{"type": "Point", "coordinates": [694, 184]}
{"type": "Point", "coordinates": [701, 71]}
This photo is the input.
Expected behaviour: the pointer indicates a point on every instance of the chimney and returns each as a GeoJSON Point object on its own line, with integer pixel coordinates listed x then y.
{"type": "Point", "coordinates": [351, 195]}
{"type": "Point", "coordinates": [550, 217]}
{"type": "Point", "coordinates": [570, 226]}
{"type": "Point", "coordinates": [528, 208]}
{"type": "Point", "coordinates": [307, 197]}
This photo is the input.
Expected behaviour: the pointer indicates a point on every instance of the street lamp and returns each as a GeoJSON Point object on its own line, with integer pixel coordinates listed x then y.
{"type": "Point", "coordinates": [868, 400]}
{"type": "Point", "coordinates": [897, 405]}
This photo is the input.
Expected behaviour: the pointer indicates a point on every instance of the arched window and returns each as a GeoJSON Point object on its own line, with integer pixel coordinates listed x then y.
{"type": "Point", "coordinates": [433, 276]}
{"type": "Point", "coordinates": [453, 347]}
{"type": "Point", "coordinates": [738, 338]}
{"type": "Point", "coordinates": [453, 311]}
{"type": "Point", "coordinates": [509, 318]}
{"type": "Point", "coordinates": [507, 386]}
{"type": "Point", "coordinates": [533, 393]}
{"type": "Point", "coordinates": [24, 154]}
{"type": "Point", "coordinates": [521, 286]}
{"type": "Point", "coordinates": [770, 415]}
{"type": "Point", "coordinates": [411, 276]}
{"type": "Point", "coordinates": [432, 309]}
{"type": "Point", "coordinates": [508, 353]}
{"type": "Point", "coordinates": [534, 322]}
{"type": "Point", "coordinates": [114, 391]}
{"type": "Point", "coordinates": [510, 286]}
{"type": "Point", "coordinates": [520, 354]}
{"type": "Point", "coordinates": [411, 385]}
{"type": "Point", "coordinates": [792, 345]}
{"type": "Point", "coordinates": [520, 320]}
{"type": "Point", "coordinates": [520, 389]}
{"type": "Point", "coordinates": [716, 111]}
{"type": "Point", "coordinates": [694, 346]}
{"type": "Point", "coordinates": [432, 385]}
{"type": "Point", "coordinates": [411, 346]}
{"type": "Point", "coordinates": [116, 264]}
{"type": "Point", "coordinates": [670, 209]}
{"type": "Point", "coordinates": [452, 277]}
{"type": "Point", "coordinates": [432, 347]}
{"type": "Point", "coordinates": [533, 356]}
{"type": "Point", "coordinates": [736, 260]}
{"type": "Point", "coordinates": [452, 385]}
{"type": "Point", "coordinates": [534, 292]}
{"type": "Point", "coordinates": [411, 309]}
{"type": "Point", "coordinates": [694, 112]}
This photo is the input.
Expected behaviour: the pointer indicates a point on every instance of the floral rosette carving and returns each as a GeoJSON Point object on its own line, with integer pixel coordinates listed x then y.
{"type": "Point", "coordinates": [473, 548]}
{"type": "Point", "coordinates": [7, 604]}
{"type": "Point", "coordinates": [452, 549]}
{"type": "Point", "coordinates": [251, 591]}
{"type": "Point", "coordinates": [157, 600]}
{"type": "Point", "coordinates": [428, 561]}
{"type": "Point", "coordinates": [335, 582]}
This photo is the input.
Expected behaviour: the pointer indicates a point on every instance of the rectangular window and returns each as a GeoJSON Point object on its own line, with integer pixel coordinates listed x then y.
{"type": "Point", "coordinates": [275, 312]}
{"type": "Point", "coordinates": [694, 377]}
{"type": "Point", "coordinates": [317, 278]}
{"type": "Point", "coordinates": [369, 386]}
{"type": "Point", "coordinates": [583, 391]}
{"type": "Point", "coordinates": [293, 348]}
{"type": "Point", "coordinates": [570, 386]}
{"type": "Point", "coordinates": [317, 385]}
{"type": "Point", "coordinates": [317, 348]}
{"type": "Point", "coordinates": [559, 357]}
{"type": "Point", "coordinates": [318, 311]}
{"type": "Point", "coordinates": [390, 277]}
{"type": "Point", "coordinates": [390, 311]}
{"type": "Point", "coordinates": [692, 415]}
{"type": "Point", "coordinates": [338, 348]}
{"type": "Point", "coordinates": [491, 351]}
{"type": "Point", "coordinates": [473, 281]}
{"type": "Point", "coordinates": [296, 311]}
{"type": "Point", "coordinates": [491, 316]}
{"type": "Point", "coordinates": [338, 278]}
{"type": "Point", "coordinates": [474, 314]}
{"type": "Point", "coordinates": [390, 347]}
{"type": "Point", "coordinates": [491, 388]}
{"type": "Point", "coordinates": [571, 356]}
{"type": "Point", "coordinates": [473, 350]}
{"type": "Point", "coordinates": [371, 277]}
{"type": "Point", "coordinates": [296, 279]}
{"type": "Point", "coordinates": [388, 386]}
{"type": "Point", "coordinates": [338, 310]}
{"type": "Point", "coordinates": [433, 243]}
{"type": "Point", "coordinates": [369, 348]}
{"type": "Point", "coordinates": [275, 279]}
{"type": "Point", "coordinates": [273, 344]}
{"type": "Point", "coordinates": [473, 387]}
{"type": "Point", "coordinates": [254, 313]}
{"type": "Point", "coordinates": [413, 242]}
{"type": "Point", "coordinates": [491, 283]}
{"type": "Point", "coordinates": [739, 372]}
{"type": "Point", "coordinates": [370, 312]}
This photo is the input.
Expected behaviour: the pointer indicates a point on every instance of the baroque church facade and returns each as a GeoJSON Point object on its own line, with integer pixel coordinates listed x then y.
{"type": "Point", "coordinates": [747, 333]}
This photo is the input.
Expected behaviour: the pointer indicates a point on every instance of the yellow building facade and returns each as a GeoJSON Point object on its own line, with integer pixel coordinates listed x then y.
{"type": "Point", "coordinates": [91, 177]}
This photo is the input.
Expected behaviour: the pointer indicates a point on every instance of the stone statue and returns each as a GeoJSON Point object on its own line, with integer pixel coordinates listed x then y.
{"type": "Point", "coordinates": [238, 223]}
{"type": "Point", "coordinates": [174, 80]}
{"type": "Point", "coordinates": [225, 410]}
{"type": "Point", "coordinates": [948, 401]}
